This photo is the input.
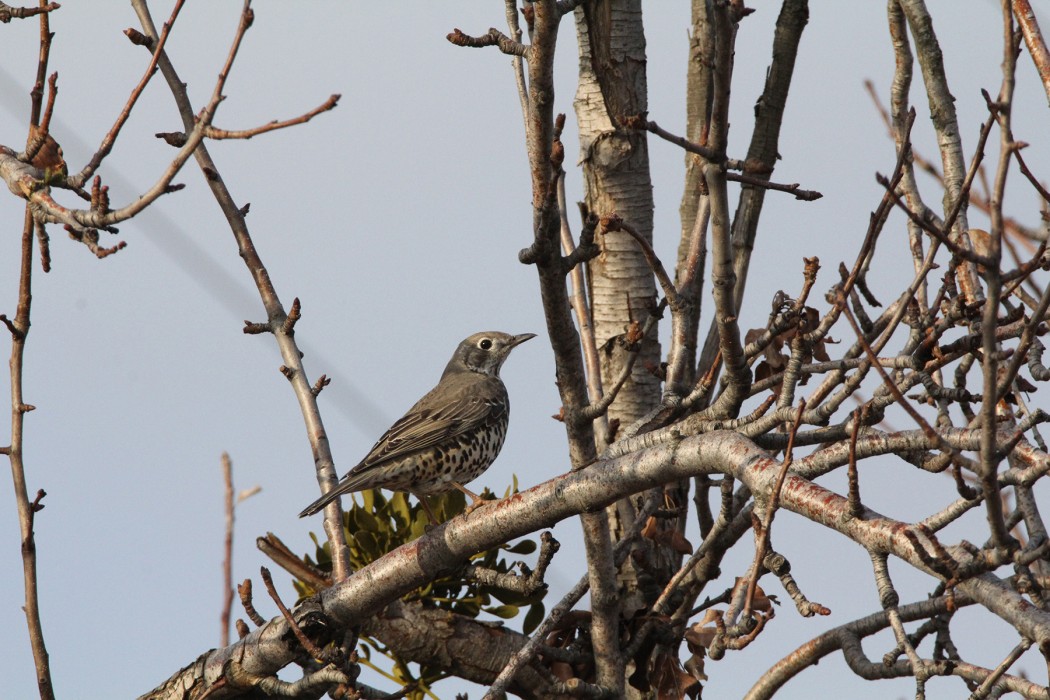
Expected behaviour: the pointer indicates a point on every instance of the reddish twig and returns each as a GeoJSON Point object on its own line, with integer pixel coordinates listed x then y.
{"type": "Point", "coordinates": [794, 188]}
{"type": "Point", "coordinates": [245, 592]}
{"type": "Point", "coordinates": [685, 144]}
{"type": "Point", "coordinates": [892, 387]}
{"type": "Point", "coordinates": [766, 524]}
{"type": "Point", "coordinates": [1028, 173]}
{"type": "Point", "coordinates": [215, 133]}
{"type": "Point", "coordinates": [39, 134]}
{"type": "Point", "coordinates": [1033, 39]}
{"type": "Point", "coordinates": [294, 314]}
{"type": "Point", "coordinates": [312, 649]}
{"type": "Point", "coordinates": [320, 384]}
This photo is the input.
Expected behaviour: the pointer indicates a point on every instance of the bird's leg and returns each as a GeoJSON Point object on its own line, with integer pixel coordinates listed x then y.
{"type": "Point", "coordinates": [475, 499]}
{"type": "Point", "coordinates": [426, 506]}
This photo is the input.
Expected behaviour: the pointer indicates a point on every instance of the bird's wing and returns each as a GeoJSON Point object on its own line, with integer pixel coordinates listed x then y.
{"type": "Point", "coordinates": [431, 422]}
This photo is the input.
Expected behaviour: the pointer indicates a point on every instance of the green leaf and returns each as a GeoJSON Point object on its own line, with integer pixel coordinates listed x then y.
{"type": "Point", "coordinates": [419, 524]}
{"type": "Point", "coordinates": [523, 547]}
{"type": "Point", "coordinates": [364, 519]}
{"type": "Point", "coordinates": [449, 505]}
{"type": "Point", "coordinates": [505, 611]}
{"type": "Point", "coordinates": [533, 618]}
{"type": "Point", "coordinates": [366, 541]}
{"type": "Point", "coordinates": [467, 609]}
{"type": "Point", "coordinates": [400, 508]}
{"type": "Point", "coordinates": [505, 596]}
{"type": "Point", "coordinates": [379, 522]}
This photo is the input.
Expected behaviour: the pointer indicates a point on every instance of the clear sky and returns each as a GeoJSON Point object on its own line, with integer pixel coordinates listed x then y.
{"type": "Point", "coordinates": [396, 219]}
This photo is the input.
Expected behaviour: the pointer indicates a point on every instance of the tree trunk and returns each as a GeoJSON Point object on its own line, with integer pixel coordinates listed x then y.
{"type": "Point", "coordinates": [615, 164]}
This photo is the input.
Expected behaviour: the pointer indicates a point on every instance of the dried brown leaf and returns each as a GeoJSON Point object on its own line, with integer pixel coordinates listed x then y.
{"type": "Point", "coordinates": [671, 681]}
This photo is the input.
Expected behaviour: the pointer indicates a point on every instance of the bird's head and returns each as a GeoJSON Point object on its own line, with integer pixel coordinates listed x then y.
{"type": "Point", "coordinates": [485, 352]}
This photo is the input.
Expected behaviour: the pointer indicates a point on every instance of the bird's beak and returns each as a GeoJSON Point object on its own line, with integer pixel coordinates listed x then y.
{"type": "Point", "coordinates": [519, 339]}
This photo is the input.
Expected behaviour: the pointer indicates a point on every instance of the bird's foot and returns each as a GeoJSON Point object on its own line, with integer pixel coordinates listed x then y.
{"type": "Point", "coordinates": [476, 501]}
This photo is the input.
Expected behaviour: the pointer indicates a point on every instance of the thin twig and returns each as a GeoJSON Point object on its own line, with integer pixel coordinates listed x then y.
{"type": "Point", "coordinates": [213, 132]}
{"type": "Point", "coordinates": [272, 546]}
{"type": "Point", "coordinates": [511, 10]}
{"type": "Point", "coordinates": [7, 12]}
{"type": "Point", "coordinates": [525, 654]}
{"type": "Point", "coordinates": [110, 138]}
{"type": "Point", "coordinates": [983, 690]}
{"type": "Point", "coordinates": [770, 512]}
{"type": "Point", "coordinates": [599, 408]}
{"type": "Point", "coordinates": [494, 37]}
{"type": "Point", "coordinates": [312, 649]}
{"type": "Point", "coordinates": [290, 353]}
{"type": "Point", "coordinates": [711, 154]}
{"type": "Point", "coordinates": [856, 508]}
{"type": "Point", "coordinates": [19, 327]}
{"type": "Point", "coordinates": [245, 592]}
{"type": "Point", "coordinates": [227, 560]}
{"type": "Point", "coordinates": [612, 222]}
{"type": "Point", "coordinates": [895, 390]}
{"type": "Point", "coordinates": [794, 188]}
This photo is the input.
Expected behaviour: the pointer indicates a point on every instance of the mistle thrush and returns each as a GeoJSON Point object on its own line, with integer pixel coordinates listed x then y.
{"type": "Point", "coordinates": [449, 437]}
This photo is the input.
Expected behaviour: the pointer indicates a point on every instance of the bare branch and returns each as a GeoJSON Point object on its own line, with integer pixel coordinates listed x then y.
{"type": "Point", "coordinates": [762, 529]}
{"type": "Point", "coordinates": [215, 133]}
{"type": "Point", "coordinates": [1033, 39]}
{"type": "Point", "coordinates": [106, 146]}
{"type": "Point", "coordinates": [290, 353]}
{"type": "Point", "coordinates": [494, 37]}
{"type": "Point", "coordinates": [612, 222]}
{"type": "Point", "coordinates": [227, 559]}
{"type": "Point", "coordinates": [7, 12]}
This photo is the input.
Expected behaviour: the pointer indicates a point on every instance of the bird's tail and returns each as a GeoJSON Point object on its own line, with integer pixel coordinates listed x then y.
{"type": "Point", "coordinates": [321, 502]}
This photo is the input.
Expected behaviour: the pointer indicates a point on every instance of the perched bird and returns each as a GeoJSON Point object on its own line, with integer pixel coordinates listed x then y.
{"type": "Point", "coordinates": [449, 437]}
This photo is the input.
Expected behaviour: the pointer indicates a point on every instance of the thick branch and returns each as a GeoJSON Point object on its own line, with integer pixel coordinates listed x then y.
{"type": "Point", "coordinates": [441, 551]}
{"type": "Point", "coordinates": [1033, 39]}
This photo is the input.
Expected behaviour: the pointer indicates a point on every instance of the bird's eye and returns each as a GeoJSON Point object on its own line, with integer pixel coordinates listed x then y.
{"type": "Point", "coordinates": [485, 344]}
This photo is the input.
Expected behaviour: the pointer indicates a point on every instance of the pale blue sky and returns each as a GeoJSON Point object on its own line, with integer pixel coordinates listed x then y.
{"type": "Point", "coordinates": [396, 219]}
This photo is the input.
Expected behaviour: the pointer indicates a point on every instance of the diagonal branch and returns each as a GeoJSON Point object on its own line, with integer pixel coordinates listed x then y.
{"type": "Point", "coordinates": [275, 313]}
{"type": "Point", "coordinates": [106, 146]}
{"type": "Point", "coordinates": [1033, 39]}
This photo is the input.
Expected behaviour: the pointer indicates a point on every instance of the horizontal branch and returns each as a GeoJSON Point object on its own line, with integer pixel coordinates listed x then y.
{"type": "Point", "coordinates": [445, 547]}
{"type": "Point", "coordinates": [794, 188]}
{"type": "Point", "coordinates": [712, 155]}
{"type": "Point", "coordinates": [835, 640]}
{"type": "Point", "coordinates": [7, 12]}
{"type": "Point", "coordinates": [494, 37]}
{"type": "Point", "coordinates": [215, 133]}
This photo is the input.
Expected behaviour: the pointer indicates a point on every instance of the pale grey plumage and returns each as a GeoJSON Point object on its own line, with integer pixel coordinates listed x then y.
{"type": "Point", "coordinates": [450, 436]}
